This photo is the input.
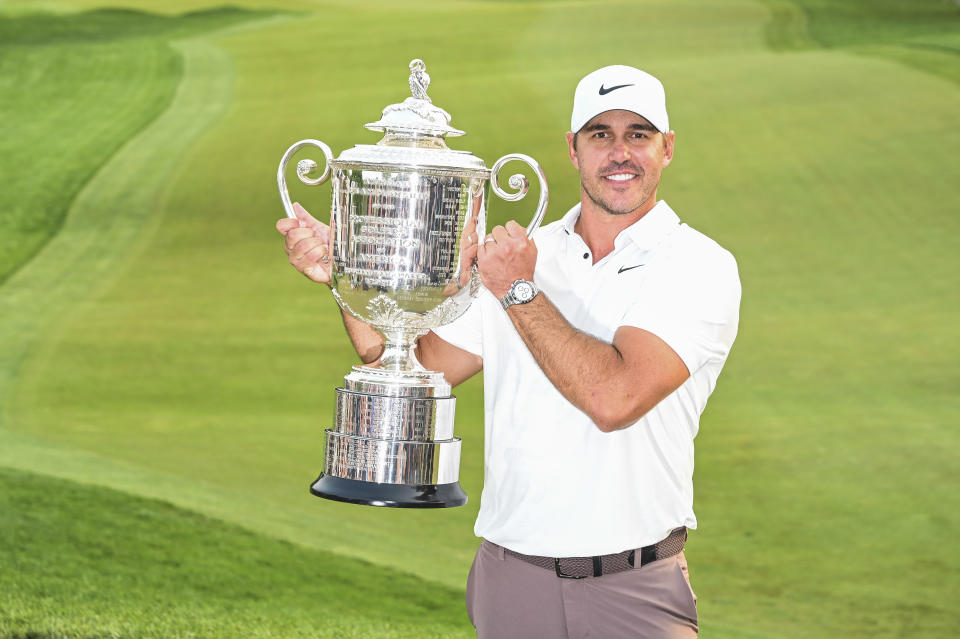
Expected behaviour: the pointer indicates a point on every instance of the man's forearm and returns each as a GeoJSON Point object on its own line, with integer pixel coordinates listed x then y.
{"type": "Point", "coordinates": [435, 354]}
{"type": "Point", "coordinates": [366, 340]}
{"type": "Point", "coordinates": [592, 374]}
{"type": "Point", "coordinates": [578, 365]}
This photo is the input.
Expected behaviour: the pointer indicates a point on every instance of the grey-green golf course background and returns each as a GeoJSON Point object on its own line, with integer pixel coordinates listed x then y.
{"type": "Point", "coordinates": [166, 377]}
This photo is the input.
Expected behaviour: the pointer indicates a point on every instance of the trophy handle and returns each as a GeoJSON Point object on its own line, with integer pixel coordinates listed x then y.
{"type": "Point", "coordinates": [303, 168]}
{"type": "Point", "coordinates": [519, 182]}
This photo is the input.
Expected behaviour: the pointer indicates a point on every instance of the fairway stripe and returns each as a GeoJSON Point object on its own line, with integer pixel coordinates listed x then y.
{"type": "Point", "coordinates": [110, 219]}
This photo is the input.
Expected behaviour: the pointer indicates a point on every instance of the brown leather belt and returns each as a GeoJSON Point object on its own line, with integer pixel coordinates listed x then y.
{"type": "Point", "coordinates": [582, 567]}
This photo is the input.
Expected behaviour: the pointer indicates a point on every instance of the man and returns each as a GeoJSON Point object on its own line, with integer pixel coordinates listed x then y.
{"type": "Point", "coordinates": [600, 341]}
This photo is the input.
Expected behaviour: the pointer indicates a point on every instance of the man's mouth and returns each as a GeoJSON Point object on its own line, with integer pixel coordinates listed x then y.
{"type": "Point", "coordinates": [620, 177]}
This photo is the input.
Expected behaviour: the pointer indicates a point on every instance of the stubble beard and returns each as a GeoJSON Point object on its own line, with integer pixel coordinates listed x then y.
{"type": "Point", "coordinates": [606, 206]}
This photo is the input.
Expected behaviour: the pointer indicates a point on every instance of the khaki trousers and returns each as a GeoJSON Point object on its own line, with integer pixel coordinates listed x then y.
{"type": "Point", "coordinates": [507, 598]}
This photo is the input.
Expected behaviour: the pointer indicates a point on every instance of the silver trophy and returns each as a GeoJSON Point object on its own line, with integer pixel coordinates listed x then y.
{"type": "Point", "coordinates": [397, 224]}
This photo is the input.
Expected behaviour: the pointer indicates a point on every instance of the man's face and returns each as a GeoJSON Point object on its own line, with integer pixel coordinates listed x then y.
{"type": "Point", "coordinates": [620, 156]}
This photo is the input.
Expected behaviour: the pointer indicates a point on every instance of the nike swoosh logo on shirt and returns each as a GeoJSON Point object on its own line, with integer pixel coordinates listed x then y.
{"type": "Point", "coordinates": [604, 91]}
{"type": "Point", "coordinates": [627, 268]}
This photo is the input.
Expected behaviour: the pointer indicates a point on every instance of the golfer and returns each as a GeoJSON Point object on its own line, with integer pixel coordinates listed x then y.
{"type": "Point", "coordinates": [601, 339]}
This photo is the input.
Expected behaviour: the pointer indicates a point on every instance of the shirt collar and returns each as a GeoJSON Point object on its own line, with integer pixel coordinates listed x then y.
{"type": "Point", "coordinates": [650, 229]}
{"type": "Point", "coordinates": [645, 233]}
{"type": "Point", "coordinates": [569, 220]}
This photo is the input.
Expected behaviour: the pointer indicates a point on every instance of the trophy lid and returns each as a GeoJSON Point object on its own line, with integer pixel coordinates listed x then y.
{"type": "Point", "coordinates": [417, 114]}
{"type": "Point", "coordinates": [414, 137]}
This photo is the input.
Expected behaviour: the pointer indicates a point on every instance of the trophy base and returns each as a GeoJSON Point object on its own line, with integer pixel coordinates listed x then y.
{"type": "Point", "coordinates": [370, 493]}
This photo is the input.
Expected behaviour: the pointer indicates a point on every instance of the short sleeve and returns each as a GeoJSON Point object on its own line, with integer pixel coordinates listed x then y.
{"type": "Point", "coordinates": [692, 304]}
{"type": "Point", "coordinates": [466, 331]}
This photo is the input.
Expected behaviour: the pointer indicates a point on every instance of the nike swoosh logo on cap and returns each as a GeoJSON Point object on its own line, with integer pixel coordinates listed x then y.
{"type": "Point", "coordinates": [627, 268]}
{"type": "Point", "coordinates": [604, 91]}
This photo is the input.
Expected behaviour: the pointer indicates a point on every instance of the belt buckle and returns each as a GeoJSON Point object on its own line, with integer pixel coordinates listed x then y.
{"type": "Point", "coordinates": [563, 575]}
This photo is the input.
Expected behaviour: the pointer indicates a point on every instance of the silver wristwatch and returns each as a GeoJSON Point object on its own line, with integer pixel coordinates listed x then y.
{"type": "Point", "coordinates": [521, 292]}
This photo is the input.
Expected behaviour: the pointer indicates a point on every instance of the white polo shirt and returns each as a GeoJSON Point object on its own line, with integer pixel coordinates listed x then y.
{"type": "Point", "coordinates": [554, 484]}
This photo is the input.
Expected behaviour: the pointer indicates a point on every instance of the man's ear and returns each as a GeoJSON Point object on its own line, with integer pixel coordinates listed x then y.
{"type": "Point", "coordinates": [668, 140]}
{"type": "Point", "coordinates": [571, 137]}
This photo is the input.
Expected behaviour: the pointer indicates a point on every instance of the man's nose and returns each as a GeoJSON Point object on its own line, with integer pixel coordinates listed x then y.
{"type": "Point", "coordinates": [620, 151]}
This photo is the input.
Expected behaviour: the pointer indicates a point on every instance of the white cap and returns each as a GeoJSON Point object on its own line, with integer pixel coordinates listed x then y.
{"type": "Point", "coordinates": [620, 87]}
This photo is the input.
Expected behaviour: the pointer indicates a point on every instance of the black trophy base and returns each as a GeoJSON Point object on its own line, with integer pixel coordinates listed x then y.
{"type": "Point", "coordinates": [370, 493]}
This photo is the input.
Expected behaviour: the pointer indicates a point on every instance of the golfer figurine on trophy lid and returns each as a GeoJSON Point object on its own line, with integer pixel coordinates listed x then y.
{"type": "Point", "coordinates": [397, 219]}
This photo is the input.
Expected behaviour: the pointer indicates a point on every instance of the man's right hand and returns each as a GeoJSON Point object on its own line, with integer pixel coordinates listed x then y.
{"type": "Point", "coordinates": [308, 244]}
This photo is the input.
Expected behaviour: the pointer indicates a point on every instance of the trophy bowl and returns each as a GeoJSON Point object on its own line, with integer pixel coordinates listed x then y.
{"type": "Point", "coordinates": [398, 217]}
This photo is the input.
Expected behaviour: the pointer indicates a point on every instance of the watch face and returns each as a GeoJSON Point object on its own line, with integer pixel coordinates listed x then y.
{"type": "Point", "coordinates": [523, 291]}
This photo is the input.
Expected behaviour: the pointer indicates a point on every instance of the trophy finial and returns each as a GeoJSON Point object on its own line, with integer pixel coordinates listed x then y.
{"type": "Point", "coordinates": [419, 80]}
{"type": "Point", "coordinates": [417, 115]}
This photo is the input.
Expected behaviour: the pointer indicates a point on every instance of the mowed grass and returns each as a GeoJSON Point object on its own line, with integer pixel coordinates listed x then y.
{"type": "Point", "coordinates": [73, 89]}
{"type": "Point", "coordinates": [88, 562]}
{"type": "Point", "coordinates": [201, 369]}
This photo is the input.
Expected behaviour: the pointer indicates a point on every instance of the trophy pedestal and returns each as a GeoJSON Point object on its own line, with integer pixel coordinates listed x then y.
{"type": "Point", "coordinates": [391, 495]}
{"type": "Point", "coordinates": [392, 443]}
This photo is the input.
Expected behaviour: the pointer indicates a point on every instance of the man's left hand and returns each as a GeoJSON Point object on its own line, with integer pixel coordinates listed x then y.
{"type": "Point", "coordinates": [505, 257]}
